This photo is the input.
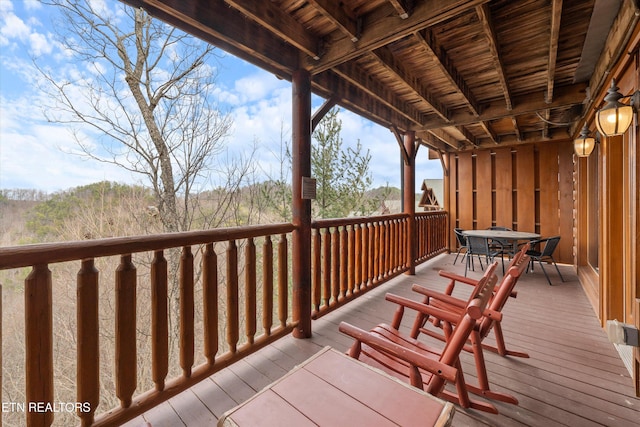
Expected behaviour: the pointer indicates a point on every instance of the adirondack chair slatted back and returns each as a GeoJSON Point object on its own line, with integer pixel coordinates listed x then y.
{"type": "Point", "coordinates": [456, 342]}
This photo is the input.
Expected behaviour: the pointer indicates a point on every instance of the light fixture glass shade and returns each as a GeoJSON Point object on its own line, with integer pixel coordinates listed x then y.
{"type": "Point", "coordinates": [615, 117]}
{"type": "Point", "coordinates": [584, 145]}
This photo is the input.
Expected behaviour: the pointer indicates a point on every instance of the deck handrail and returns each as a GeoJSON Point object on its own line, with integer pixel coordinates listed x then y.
{"type": "Point", "coordinates": [353, 255]}
{"type": "Point", "coordinates": [349, 257]}
{"type": "Point", "coordinates": [197, 263]}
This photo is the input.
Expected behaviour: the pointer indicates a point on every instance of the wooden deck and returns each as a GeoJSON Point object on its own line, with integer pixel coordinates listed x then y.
{"type": "Point", "coordinates": [574, 377]}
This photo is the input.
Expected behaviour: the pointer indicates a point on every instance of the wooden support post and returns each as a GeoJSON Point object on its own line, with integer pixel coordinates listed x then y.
{"type": "Point", "coordinates": [409, 198]}
{"type": "Point", "coordinates": [301, 137]}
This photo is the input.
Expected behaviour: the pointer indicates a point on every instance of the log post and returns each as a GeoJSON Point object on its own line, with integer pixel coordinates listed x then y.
{"type": "Point", "coordinates": [409, 197]}
{"type": "Point", "coordinates": [301, 137]}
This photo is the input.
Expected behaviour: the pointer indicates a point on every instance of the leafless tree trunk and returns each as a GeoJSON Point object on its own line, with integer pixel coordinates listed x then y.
{"type": "Point", "coordinates": [142, 96]}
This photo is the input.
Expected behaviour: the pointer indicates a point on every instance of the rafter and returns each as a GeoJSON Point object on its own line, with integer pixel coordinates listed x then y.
{"type": "Point", "coordinates": [270, 16]}
{"type": "Point", "coordinates": [431, 141]}
{"type": "Point", "coordinates": [380, 30]}
{"type": "Point", "coordinates": [225, 27]}
{"type": "Point", "coordinates": [516, 128]}
{"type": "Point", "coordinates": [377, 90]}
{"type": "Point", "coordinates": [446, 138]}
{"type": "Point", "coordinates": [484, 14]}
{"type": "Point", "coordinates": [403, 7]}
{"type": "Point", "coordinates": [332, 11]}
{"type": "Point", "coordinates": [564, 97]}
{"type": "Point", "coordinates": [554, 34]}
{"type": "Point", "coordinates": [386, 58]}
{"type": "Point", "coordinates": [439, 57]}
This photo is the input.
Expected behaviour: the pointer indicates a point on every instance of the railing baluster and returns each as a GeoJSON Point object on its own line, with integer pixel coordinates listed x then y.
{"type": "Point", "coordinates": [316, 287]}
{"type": "Point", "coordinates": [267, 285]}
{"type": "Point", "coordinates": [357, 253]}
{"type": "Point", "coordinates": [344, 266]}
{"type": "Point", "coordinates": [210, 295]}
{"type": "Point", "coordinates": [326, 267]}
{"type": "Point", "coordinates": [250, 290]}
{"type": "Point", "coordinates": [283, 276]}
{"type": "Point", "coordinates": [159, 320]}
{"type": "Point", "coordinates": [88, 369]}
{"type": "Point", "coordinates": [351, 260]}
{"type": "Point", "coordinates": [233, 321]}
{"type": "Point", "coordinates": [125, 330]}
{"type": "Point", "coordinates": [335, 265]}
{"type": "Point", "coordinates": [187, 335]}
{"type": "Point", "coordinates": [39, 343]}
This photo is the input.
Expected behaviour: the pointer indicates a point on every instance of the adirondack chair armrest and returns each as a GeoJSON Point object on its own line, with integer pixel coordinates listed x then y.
{"type": "Point", "coordinates": [513, 294]}
{"type": "Point", "coordinates": [439, 296]}
{"type": "Point", "coordinates": [392, 349]}
{"type": "Point", "coordinates": [445, 316]}
{"type": "Point", "coordinates": [458, 278]}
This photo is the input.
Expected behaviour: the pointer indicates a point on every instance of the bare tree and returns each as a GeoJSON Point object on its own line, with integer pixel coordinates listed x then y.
{"type": "Point", "coordinates": [146, 93]}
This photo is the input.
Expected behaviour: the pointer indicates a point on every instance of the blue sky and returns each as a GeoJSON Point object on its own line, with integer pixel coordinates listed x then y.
{"type": "Point", "coordinates": [37, 154]}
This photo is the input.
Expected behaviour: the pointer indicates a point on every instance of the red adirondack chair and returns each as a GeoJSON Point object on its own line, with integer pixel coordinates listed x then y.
{"type": "Point", "coordinates": [423, 365]}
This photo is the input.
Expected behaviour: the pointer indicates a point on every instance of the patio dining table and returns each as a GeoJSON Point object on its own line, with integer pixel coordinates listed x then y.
{"type": "Point", "coordinates": [502, 234]}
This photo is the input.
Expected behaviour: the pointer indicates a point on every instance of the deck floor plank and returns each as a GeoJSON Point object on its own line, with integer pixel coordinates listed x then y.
{"type": "Point", "coordinates": [574, 376]}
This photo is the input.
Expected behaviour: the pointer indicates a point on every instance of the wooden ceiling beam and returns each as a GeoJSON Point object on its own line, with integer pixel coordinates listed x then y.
{"type": "Point", "coordinates": [440, 58]}
{"type": "Point", "coordinates": [389, 62]}
{"type": "Point", "coordinates": [332, 11]}
{"type": "Point", "coordinates": [403, 7]}
{"type": "Point", "coordinates": [381, 29]}
{"type": "Point", "coordinates": [556, 135]}
{"type": "Point", "coordinates": [431, 141]}
{"type": "Point", "coordinates": [468, 136]}
{"type": "Point", "coordinates": [270, 16]}
{"type": "Point", "coordinates": [353, 98]}
{"type": "Point", "coordinates": [377, 90]}
{"type": "Point", "coordinates": [484, 124]}
{"type": "Point", "coordinates": [565, 96]}
{"type": "Point", "coordinates": [554, 34]}
{"type": "Point", "coordinates": [446, 138]}
{"type": "Point", "coordinates": [484, 14]}
{"type": "Point", "coordinates": [216, 23]}
{"type": "Point", "coordinates": [516, 128]}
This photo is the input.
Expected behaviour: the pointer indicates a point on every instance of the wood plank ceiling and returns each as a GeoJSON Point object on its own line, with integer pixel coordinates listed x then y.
{"type": "Point", "coordinates": [461, 73]}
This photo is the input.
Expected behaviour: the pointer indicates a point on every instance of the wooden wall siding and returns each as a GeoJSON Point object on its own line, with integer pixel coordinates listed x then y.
{"type": "Point", "coordinates": [483, 191]}
{"type": "Point", "coordinates": [527, 188]}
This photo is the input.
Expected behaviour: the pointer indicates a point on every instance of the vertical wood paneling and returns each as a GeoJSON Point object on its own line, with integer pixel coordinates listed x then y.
{"type": "Point", "coordinates": [483, 207]}
{"type": "Point", "coordinates": [503, 188]}
{"type": "Point", "coordinates": [525, 189]}
{"type": "Point", "coordinates": [549, 187]}
{"type": "Point", "coordinates": [566, 195]}
{"type": "Point", "coordinates": [465, 191]}
{"type": "Point", "coordinates": [528, 189]}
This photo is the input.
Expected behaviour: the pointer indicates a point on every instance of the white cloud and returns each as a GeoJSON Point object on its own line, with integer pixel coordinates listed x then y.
{"type": "Point", "coordinates": [32, 4]}
{"type": "Point", "coordinates": [39, 44]}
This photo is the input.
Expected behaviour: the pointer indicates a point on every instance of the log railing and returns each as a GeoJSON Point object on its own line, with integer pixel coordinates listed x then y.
{"type": "Point", "coordinates": [209, 298]}
{"type": "Point", "coordinates": [353, 255]}
{"type": "Point", "coordinates": [254, 279]}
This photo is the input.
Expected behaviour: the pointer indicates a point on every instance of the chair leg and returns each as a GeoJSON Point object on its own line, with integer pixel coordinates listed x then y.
{"type": "Point", "coordinates": [557, 269]}
{"type": "Point", "coordinates": [545, 273]}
